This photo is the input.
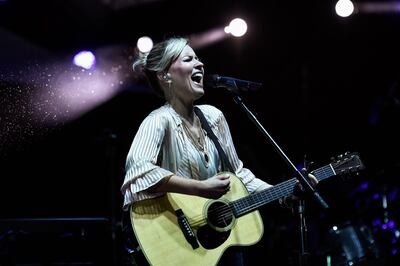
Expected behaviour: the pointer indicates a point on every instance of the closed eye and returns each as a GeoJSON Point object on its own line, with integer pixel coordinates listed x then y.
{"type": "Point", "coordinates": [188, 59]}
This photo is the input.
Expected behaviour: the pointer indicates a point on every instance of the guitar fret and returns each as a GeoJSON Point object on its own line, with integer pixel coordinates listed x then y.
{"type": "Point", "coordinates": [247, 204]}
{"type": "Point", "coordinates": [324, 172]}
{"type": "Point", "coordinates": [253, 201]}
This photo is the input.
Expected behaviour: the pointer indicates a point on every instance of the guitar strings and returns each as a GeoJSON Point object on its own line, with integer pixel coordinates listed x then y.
{"type": "Point", "coordinates": [223, 210]}
{"type": "Point", "coordinates": [257, 200]}
{"type": "Point", "coordinates": [226, 211]}
{"type": "Point", "coordinates": [245, 204]}
{"type": "Point", "coordinates": [284, 188]}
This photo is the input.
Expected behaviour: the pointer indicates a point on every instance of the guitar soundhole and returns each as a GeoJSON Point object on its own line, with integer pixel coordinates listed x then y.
{"type": "Point", "coordinates": [220, 220]}
{"type": "Point", "coordinates": [219, 216]}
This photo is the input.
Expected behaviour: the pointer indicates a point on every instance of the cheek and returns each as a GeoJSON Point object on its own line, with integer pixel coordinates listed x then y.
{"type": "Point", "coordinates": [180, 69]}
{"type": "Point", "coordinates": [182, 78]}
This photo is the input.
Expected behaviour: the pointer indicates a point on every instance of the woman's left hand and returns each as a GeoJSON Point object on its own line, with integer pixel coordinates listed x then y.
{"type": "Point", "coordinates": [298, 191]}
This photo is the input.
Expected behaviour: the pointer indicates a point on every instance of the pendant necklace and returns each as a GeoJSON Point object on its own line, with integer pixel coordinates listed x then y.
{"type": "Point", "coordinates": [198, 141]}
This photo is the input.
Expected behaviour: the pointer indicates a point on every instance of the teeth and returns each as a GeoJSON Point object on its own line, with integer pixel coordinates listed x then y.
{"type": "Point", "coordinates": [198, 75]}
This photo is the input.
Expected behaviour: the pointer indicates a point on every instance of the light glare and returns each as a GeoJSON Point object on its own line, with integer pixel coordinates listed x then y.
{"type": "Point", "coordinates": [344, 8]}
{"type": "Point", "coordinates": [237, 27]}
{"type": "Point", "coordinates": [227, 30]}
{"type": "Point", "coordinates": [85, 59]}
{"type": "Point", "coordinates": [144, 44]}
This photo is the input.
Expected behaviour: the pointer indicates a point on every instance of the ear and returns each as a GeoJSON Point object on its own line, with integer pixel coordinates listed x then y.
{"type": "Point", "coordinates": [160, 76]}
{"type": "Point", "coordinates": [165, 77]}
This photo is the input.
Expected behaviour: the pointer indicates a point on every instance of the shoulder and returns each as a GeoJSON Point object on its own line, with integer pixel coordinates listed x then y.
{"type": "Point", "coordinates": [212, 113]}
{"type": "Point", "coordinates": [210, 110]}
{"type": "Point", "coordinates": [161, 111]}
{"type": "Point", "coordinates": [160, 115]}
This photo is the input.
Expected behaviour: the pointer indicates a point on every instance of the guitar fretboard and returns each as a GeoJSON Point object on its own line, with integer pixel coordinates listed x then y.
{"type": "Point", "coordinates": [251, 202]}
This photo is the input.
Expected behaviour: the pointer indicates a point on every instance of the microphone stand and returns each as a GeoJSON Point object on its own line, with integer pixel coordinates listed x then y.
{"type": "Point", "coordinates": [302, 176]}
{"type": "Point", "coordinates": [300, 209]}
{"type": "Point", "coordinates": [303, 254]}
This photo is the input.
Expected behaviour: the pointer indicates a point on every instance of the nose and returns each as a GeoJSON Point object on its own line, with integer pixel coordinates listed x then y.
{"type": "Point", "coordinates": [199, 64]}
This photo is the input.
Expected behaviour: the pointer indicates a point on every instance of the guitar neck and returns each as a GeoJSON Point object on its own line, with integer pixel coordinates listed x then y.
{"type": "Point", "coordinates": [254, 201]}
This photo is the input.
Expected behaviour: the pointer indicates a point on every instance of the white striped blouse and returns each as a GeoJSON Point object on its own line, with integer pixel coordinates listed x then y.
{"type": "Point", "coordinates": [162, 148]}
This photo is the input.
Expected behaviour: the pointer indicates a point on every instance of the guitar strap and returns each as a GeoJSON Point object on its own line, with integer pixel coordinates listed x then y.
{"type": "Point", "coordinates": [207, 128]}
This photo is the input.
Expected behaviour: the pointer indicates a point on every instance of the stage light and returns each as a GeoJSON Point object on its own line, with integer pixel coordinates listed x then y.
{"type": "Point", "coordinates": [237, 27]}
{"type": "Point", "coordinates": [144, 44]}
{"type": "Point", "coordinates": [344, 8]}
{"type": "Point", "coordinates": [85, 59]}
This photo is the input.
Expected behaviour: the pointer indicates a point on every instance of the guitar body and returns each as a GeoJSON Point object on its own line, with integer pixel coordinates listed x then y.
{"type": "Point", "coordinates": [161, 237]}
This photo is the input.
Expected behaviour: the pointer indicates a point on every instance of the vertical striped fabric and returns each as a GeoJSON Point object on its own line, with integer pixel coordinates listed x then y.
{"type": "Point", "coordinates": [161, 148]}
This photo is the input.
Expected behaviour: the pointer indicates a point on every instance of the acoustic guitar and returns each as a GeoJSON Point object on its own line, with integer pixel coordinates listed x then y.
{"type": "Point", "coordinates": [179, 229]}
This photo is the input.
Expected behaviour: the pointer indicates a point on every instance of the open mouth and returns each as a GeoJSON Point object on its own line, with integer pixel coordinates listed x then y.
{"type": "Point", "coordinates": [197, 78]}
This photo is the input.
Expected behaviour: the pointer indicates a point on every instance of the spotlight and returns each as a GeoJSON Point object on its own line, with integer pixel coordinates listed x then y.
{"type": "Point", "coordinates": [237, 27]}
{"type": "Point", "coordinates": [344, 8]}
{"type": "Point", "coordinates": [144, 44]}
{"type": "Point", "coordinates": [85, 59]}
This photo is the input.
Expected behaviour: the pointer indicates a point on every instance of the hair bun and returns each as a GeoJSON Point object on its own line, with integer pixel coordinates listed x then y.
{"type": "Point", "coordinates": [141, 62]}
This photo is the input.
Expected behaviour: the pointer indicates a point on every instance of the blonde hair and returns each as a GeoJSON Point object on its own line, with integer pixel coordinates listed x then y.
{"type": "Point", "coordinates": [159, 59]}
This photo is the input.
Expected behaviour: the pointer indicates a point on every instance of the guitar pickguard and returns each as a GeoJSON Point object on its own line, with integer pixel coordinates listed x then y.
{"type": "Point", "coordinates": [209, 238]}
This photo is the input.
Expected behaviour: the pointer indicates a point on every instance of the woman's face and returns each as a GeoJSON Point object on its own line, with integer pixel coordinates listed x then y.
{"type": "Point", "coordinates": [187, 74]}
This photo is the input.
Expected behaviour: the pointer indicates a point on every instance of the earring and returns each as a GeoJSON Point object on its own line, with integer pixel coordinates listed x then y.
{"type": "Point", "coordinates": [167, 77]}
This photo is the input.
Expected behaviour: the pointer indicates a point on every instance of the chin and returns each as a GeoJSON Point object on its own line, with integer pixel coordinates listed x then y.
{"type": "Point", "coordinates": [200, 89]}
{"type": "Point", "coordinates": [199, 92]}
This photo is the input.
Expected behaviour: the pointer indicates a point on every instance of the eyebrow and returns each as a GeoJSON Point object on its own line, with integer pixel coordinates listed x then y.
{"type": "Point", "coordinates": [192, 55]}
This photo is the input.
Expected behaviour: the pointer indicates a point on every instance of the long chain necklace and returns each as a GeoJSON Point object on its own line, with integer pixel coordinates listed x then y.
{"type": "Point", "coordinates": [198, 141]}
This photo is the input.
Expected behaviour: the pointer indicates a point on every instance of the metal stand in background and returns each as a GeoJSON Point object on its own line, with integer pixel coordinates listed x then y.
{"type": "Point", "coordinates": [109, 140]}
{"type": "Point", "coordinates": [302, 176]}
{"type": "Point", "coordinates": [303, 254]}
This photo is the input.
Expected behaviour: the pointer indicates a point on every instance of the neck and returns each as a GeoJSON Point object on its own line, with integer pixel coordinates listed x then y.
{"type": "Point", "coordinates": [184, 109]}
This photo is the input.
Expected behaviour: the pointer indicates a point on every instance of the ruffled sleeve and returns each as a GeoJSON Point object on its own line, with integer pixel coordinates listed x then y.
{"type": "Point", "coordinates": [141, 171]}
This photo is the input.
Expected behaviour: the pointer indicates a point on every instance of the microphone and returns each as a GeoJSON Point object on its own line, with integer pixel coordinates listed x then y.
{"type": "Point", "coordinates": [232, 84]}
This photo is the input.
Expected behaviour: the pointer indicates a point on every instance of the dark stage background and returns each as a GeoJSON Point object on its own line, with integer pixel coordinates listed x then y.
{"type": "Point", "coordinates": [330, 85]}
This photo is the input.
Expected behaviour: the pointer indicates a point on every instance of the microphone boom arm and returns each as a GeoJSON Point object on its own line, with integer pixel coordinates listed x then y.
{"type": "Point", "coordinates": [301, 176]}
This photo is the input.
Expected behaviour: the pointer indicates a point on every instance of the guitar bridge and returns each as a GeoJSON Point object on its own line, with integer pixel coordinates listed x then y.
{"type": "Point", "coordinates": [186, 229]}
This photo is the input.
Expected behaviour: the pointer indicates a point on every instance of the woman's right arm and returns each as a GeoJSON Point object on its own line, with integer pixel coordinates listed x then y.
{"type": "Point", "coordinates": [213, 187]}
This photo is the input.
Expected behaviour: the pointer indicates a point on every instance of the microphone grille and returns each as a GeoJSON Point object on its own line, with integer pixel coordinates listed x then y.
{"type": "Point", "coordinates": [211, 80]}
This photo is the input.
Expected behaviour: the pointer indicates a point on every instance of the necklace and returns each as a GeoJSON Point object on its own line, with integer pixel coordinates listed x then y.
{"type": "Point", "coordinates": [198, 141]}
